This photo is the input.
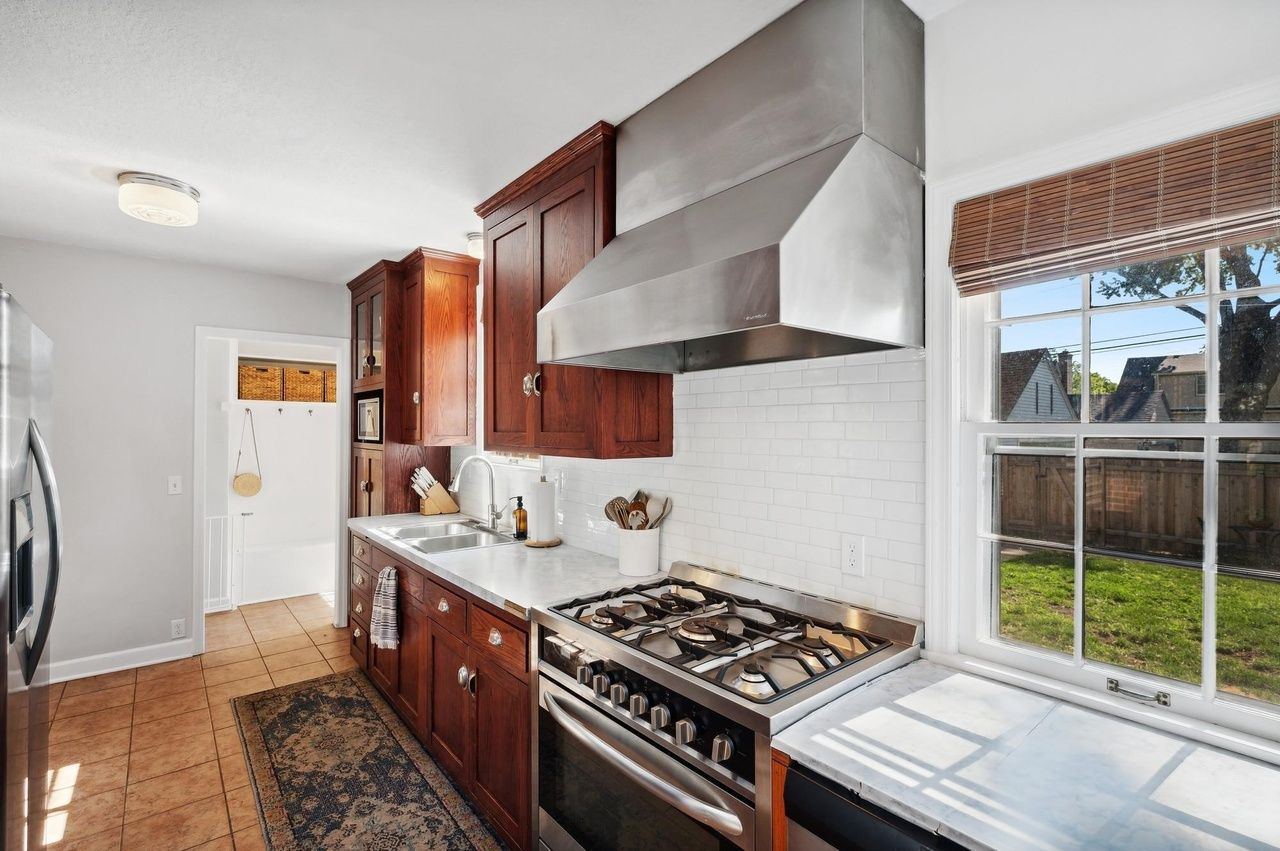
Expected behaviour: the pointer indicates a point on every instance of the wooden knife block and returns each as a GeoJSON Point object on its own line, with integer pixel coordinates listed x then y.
{"type": "Point", "coordinates": [437, 501]}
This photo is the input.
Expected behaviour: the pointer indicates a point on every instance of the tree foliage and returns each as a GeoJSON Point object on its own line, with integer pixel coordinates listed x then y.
{"type": "Point", "coordinates": [1099, 385]}
{"type": "Point", "coordinates": [1249, 325]}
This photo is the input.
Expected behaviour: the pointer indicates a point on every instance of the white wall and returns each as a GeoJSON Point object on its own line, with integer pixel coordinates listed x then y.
{"type": "Point", "coordinates": [1007, 77]}
{"type": "Point", "coordinates": [123, 336]}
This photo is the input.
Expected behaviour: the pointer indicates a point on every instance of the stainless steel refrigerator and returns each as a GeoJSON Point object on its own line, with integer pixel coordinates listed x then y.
{"type": "Point", "coordinates": [31, 551]}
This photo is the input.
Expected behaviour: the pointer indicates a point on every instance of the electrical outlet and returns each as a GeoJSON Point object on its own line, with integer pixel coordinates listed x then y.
{"type": "Point", "coordinates": [178, 628]}
{"type": "Point", "coordinates": [854, 555]}
{"type": "Point", "coordinates": [175, 485]}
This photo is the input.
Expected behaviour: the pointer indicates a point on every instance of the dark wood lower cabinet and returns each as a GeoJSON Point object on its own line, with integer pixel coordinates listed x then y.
{"type": "Point", "coordinates": [464, 696]}
{"type": "Point", "coordinates": [449, 704]}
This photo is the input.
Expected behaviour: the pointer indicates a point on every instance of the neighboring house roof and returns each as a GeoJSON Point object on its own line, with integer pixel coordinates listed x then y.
{"type": "Point", "coordinates": [1140, 373]}
{"type": "Point", "coordinates": [1130, 406]}
{"type": "Point", "coordinates": [1017, 369]}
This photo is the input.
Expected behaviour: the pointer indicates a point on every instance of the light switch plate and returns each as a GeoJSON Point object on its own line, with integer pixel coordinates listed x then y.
{"type": "Point", "coordinates": [175, 485]}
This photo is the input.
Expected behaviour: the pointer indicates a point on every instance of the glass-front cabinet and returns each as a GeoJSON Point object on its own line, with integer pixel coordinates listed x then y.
{"type": "Point", "coordinates": [368, 321]}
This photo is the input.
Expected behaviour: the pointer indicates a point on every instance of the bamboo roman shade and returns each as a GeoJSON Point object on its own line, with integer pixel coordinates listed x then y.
{"type": "Point", "coordinates": [1213, 190]}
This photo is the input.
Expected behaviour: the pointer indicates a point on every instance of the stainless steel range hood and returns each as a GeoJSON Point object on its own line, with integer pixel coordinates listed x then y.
{"type": "Point", "coordinates": [775, 211]}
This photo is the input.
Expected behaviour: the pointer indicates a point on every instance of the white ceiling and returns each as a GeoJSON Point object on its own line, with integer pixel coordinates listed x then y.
{"type": "Point", "coordinates": [323, 135]}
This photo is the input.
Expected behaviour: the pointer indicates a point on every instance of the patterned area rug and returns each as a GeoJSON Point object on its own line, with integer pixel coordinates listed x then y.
{"type": "Point", "coordinates": [333, 767]}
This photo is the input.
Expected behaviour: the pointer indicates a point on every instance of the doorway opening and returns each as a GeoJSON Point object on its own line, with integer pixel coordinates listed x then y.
{"type": "Point", "coordinates": [270, 432]}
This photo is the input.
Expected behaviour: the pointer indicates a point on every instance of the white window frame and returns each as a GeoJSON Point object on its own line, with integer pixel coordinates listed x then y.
{"type": "Point", "coordinates": [955, 455]}
{"type": "Point", "coordinates": [977, 621]}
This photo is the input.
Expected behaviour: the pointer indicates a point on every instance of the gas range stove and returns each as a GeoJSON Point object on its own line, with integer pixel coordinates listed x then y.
{"type": "Point", "coordinates": [758, 650]}
{"type": "Point", "coordinates": [710, 666]}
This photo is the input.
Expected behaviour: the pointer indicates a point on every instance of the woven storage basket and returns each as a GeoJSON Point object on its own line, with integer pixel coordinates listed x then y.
{"type": "Point", "coordinates": [303, 385]}
{"type": "Point", "coordinates": [262, 383]}
{"type": "Point", "coordinates": [331, 385]}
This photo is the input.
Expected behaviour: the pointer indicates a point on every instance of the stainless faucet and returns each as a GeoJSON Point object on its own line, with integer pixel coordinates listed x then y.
{"type": "Point", "coordinates": [491, 510]}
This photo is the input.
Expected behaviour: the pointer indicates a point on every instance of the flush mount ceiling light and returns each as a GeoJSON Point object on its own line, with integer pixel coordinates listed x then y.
{"type": "Point", "coordinates": [157, 199]}
{"type": "Point", "coordinates": [475, 245]}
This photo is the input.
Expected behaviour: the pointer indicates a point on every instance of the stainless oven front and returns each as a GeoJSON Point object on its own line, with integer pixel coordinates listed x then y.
{"type": "Point", "coordinates": [602, 787]}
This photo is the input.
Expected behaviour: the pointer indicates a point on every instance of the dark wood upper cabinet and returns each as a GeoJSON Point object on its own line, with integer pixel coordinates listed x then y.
{"type": "Point", "coordinates": [539, 232]}
{"type": "Point", "coordinates": [438, 357]}
{"type": "Point", "coordinates": [369, 309]}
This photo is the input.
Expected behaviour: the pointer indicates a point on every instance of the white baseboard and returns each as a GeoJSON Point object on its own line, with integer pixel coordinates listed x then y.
{"type": "Point", "coordinates": [122, 660]}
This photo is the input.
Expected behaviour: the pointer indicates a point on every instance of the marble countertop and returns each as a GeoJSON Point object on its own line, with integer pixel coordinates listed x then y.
{"type": "Point", "coordinates": [992, 766]}
{"type": "Point", "coordinates": [510, 576]}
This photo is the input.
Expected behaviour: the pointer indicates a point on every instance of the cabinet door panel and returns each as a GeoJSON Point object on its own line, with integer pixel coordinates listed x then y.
{"type": "Point", "coordinates": [566, 241]}
{"type": "Point", "coordinates": [360, 320]}
{"type": "Point", "coordinates": [411, 686]}
{"type": "Point", "coordinates": [410, 382]}
{"type": "Point", "coordinates": [449, 348]}
{"type": "Point", "coordinates": [501, 770]}
{"type": "Point", "coordinates": [509, 343]}
{"type": "Point", "coordinates": [377, 309]}
{"type": "Point", "coordinates": [448, 704]}
{"type": "Point", "coordinates": [376, 502]}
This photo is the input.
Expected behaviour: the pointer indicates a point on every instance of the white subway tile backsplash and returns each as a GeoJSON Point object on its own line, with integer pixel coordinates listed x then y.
{"type": "Point", "coordinates": [773, 464]}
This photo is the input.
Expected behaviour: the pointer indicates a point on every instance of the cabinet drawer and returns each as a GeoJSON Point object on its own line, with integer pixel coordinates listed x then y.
{"type": "Point", "coordinates": [361, 550]}
{"type": "Point", "coordinates": [446, 608]}
{"type": "Point", "coordinates": [361, 580]}
{"type": "Point", "coordinates": [361, 606]}
{"type": "Point", "coordinates": [497, 638]}
{"type": "Point", "coordinates": [409, 582]}
{"type": "Point", "coordinates": [359, 638]}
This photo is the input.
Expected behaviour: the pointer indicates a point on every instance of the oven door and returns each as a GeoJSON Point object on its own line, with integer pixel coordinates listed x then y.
{"type": "Point", "coordinates": [600, 786]}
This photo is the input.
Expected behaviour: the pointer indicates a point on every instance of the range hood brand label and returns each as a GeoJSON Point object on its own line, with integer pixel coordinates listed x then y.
{"type": "Point", "coordinates": [754, 316]}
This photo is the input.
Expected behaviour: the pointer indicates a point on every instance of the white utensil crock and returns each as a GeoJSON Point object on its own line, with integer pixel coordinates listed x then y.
{"type": "Point", "coordinates": [638, 552]}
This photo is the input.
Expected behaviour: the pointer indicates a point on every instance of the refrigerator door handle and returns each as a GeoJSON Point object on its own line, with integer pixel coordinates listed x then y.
{"type": "Point", "coordinates": [53, 505]}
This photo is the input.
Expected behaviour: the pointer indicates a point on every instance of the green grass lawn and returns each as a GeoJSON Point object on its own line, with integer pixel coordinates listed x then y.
{"type": "Point", "coordinates": [1145, 616]}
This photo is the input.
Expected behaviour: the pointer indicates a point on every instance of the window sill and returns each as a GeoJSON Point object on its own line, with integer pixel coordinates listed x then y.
{"type": "Point", "coordinates": [1168, 721]}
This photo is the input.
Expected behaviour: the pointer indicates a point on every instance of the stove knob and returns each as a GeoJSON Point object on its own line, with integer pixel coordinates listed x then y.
{"type": "Point", "coordinates": [618, 693]}
{"type": "Point", "coordinates": [600, 682]}
{"type": "Point", "coordinates": [721, 748]}
{"type": "Point", "coordinates": [639, 705]}
{"type": "Point", "coordinates": [584, 674]}
{"type": "Point", "coordinates": [659, 717]}
{"type": "Point", "coordinates": [685, 731]}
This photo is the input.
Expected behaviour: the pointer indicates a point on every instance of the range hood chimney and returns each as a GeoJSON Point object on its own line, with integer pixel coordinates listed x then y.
{"type": "Point", "coordinates": [769, 208]}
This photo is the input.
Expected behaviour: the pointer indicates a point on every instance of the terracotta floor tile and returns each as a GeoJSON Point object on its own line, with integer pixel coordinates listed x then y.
{"type": "Point", "coordinates": [184, 827]}
{"type": "Point", "coordinates": [228, 739]}
{"type": "Point", "coordinates": [223, 618]}
{"type": "Point", "coordinates": [267, 606]}
{"type": "Point", "coordinates": [145, 763]}
{"type": "Point", "coordinates": [335, 649]}
{"type": "Point", "coordinates": [292, 659]}
{"type": "Point", "coordinates": [74, 783]}
{"type": "Point", "coordinates": [284, 645]}
{"type": "Point", "coordinates": [342, 663]}
{"type": "Point", "coordinates": [229, 656]}
{"type": "Point", "coordinates": [234, 671]}
{"type": "Point", "coordinates": [303, 672]}
{"type": "Point", "coordinates": [225, 691]}
{"type": "Point", "coordinates": [92, 724]}
{"type": "Point", "coordinates": [165, 669]}
{"type": "Point", "coordinates": [242, 809]}
{"type": "Point", "coordinates": [93, 749]}
{"type": "Point", "coordinates": [169, 791]}
{"type": "Point", "coordinates": [101, 681]}
{"type": "Point", "coordinates": [222, 843]}
{"type": "Point", "coordinates": [106, 841]}
{"type": "Point", "coordinates": [55, 690]}
{"type": "Point", "coordinates": [330, 633]}
{"type": "Point", "coordinates": [172, 684]}
{"type": "Point", "coordinates": [221, 715]}
{"type": "Point", "coordinates": [276, 629]}
{"type": "Point", "coordinates": [94, 701]}
{"type": "Point", "coordinates": [250, 839]}
{"type": "Point", "coordinates": [171, 704]}
{"type": "Point", "coordinates": [171, 729]}
{"type": "Point", "coordinates": [87, 816]}
{"type": "Point", "coordinates": [217, 643]}
{"type": "Point", "coordinates": [235, 772]}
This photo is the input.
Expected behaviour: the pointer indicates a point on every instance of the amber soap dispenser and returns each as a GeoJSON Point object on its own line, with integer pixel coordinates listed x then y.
{"type": "Point", "coordinates": [520, 517]}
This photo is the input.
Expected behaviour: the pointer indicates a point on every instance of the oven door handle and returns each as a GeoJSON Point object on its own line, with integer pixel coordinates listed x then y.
{"type": "Point", "coordinates": [686, 802]}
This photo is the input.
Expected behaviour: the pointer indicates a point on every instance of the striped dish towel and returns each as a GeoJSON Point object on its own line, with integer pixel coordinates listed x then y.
{"type": "Point", "coordinates": [384, 630]}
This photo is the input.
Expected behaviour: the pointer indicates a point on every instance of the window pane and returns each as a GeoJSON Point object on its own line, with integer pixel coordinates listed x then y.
{"type": "Point", "coordinates": [1145, 506]}
{"type": "Point", "coordinates": [1145, 365]}
{"type": "Point", "coordinates": [1037, 596]}
{"type": "Point", "coordinates": [1249, 505]}
{"type": "Point", "coordinates": [1143, 616]}
{"type": "Point", "coordinates": [1049, 297]}
{"type": "Point", "coordinates": [1146, 444]}
{"type": "Point", "coordinates": [1256, 264]}
{"type": "Point", "coordinates": [1039, 361]}
{"type": "Point", "coordinates": [1249, 358]}
{"type": "Point", "coordinates": [1249, 637]}
{"type": "Point", "coordinates": [1034, 497]}
{"type": "Point", "coordinates": [1176, 276]}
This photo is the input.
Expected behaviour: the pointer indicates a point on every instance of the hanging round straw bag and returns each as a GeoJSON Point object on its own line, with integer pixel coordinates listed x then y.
{"type": "Point", "coordinates": [247, 484]}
